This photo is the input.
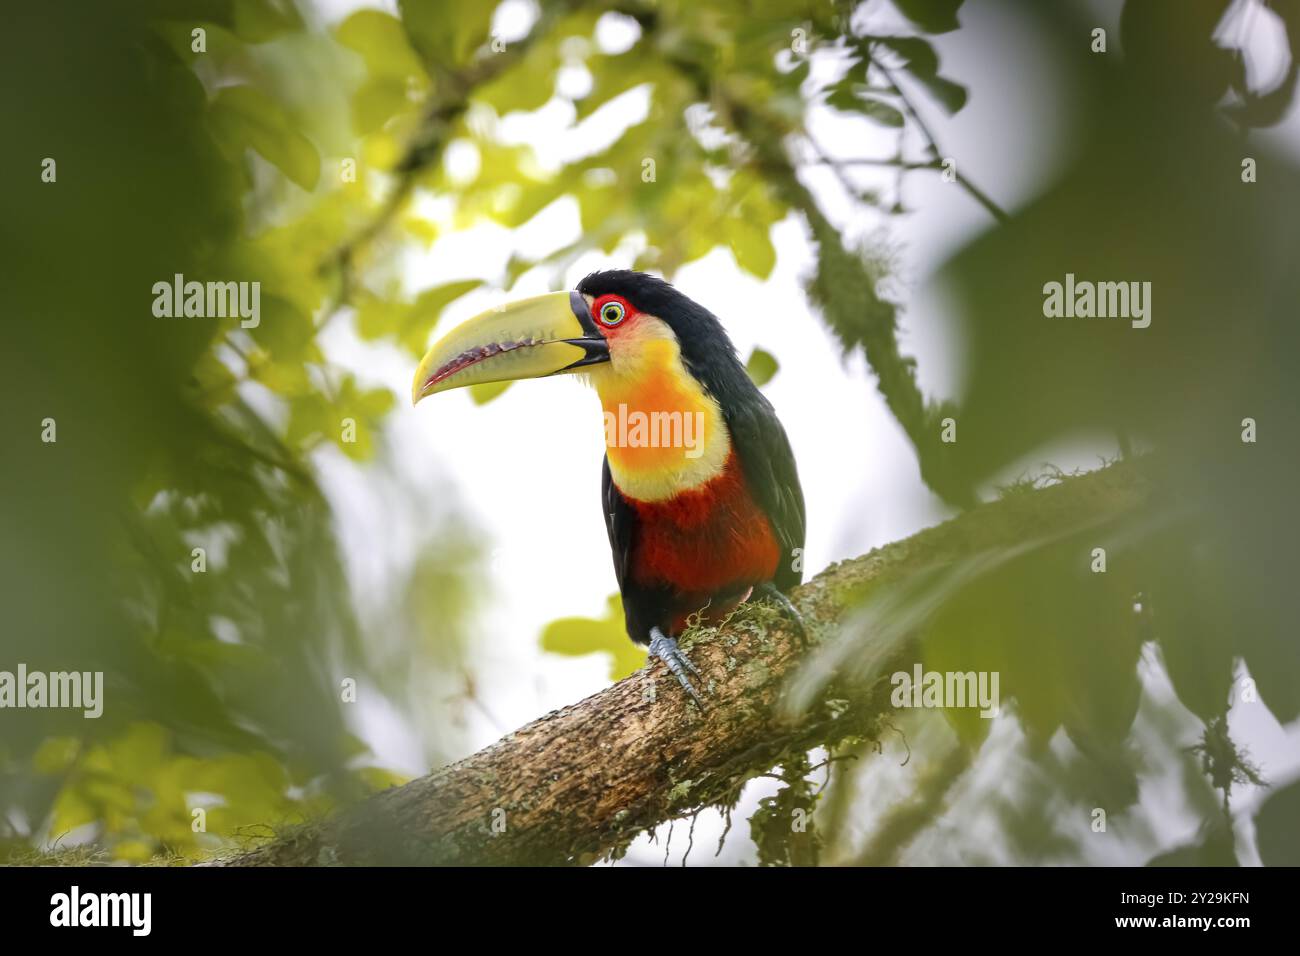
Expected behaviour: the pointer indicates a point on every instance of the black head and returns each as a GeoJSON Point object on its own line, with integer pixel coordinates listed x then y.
{"type": "Point", "coordinates": [706, 350]}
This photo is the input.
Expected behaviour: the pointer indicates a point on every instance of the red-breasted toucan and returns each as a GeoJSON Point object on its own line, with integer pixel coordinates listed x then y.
{"type": "Point", "coordinates": [701, 496]}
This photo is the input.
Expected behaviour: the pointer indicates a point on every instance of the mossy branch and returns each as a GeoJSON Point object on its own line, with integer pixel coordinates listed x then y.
{"type": "Point", "coordinates": [582, 782]}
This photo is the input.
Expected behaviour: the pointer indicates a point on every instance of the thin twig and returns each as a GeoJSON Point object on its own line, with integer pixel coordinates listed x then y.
{"type": "Point", "coordinates": [932, 145]}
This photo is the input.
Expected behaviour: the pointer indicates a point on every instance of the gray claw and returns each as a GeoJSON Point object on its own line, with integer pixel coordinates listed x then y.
{"type": "Point", "coordinates": [665, 648]}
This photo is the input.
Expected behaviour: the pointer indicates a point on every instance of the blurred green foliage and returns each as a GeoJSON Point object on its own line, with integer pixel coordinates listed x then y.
{"type": "Point", "coordinates": [1154, 191]}
{"type": "Point", "coordinates": [1157, 194]}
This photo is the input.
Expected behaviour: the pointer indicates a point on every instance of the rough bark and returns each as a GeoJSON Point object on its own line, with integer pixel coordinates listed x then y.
{"type": "Point", "coordinates": [582, 781]}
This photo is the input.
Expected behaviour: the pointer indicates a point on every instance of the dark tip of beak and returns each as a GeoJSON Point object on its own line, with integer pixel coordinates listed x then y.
{"type": "Point", "coordinates": [597, 351]}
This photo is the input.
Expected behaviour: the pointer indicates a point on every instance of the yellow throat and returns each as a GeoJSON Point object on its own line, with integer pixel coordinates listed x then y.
{"type": "Point", "coordinates": [663, 433]}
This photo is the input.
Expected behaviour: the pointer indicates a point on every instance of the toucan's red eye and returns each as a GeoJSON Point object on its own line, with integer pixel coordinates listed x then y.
{"type": "Point", "coordinates": [612, 313]}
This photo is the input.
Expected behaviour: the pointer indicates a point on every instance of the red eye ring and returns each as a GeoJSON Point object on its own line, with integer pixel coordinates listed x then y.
{"type": "Point", "coordinates": [612, 313]}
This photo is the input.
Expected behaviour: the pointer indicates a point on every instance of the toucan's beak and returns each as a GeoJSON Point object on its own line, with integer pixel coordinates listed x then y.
{"type": "Point", "coordinates": [544, 335]}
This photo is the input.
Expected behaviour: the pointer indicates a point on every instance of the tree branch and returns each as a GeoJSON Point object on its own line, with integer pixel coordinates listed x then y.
{"type": "Point", "coordinates": [583, 781]}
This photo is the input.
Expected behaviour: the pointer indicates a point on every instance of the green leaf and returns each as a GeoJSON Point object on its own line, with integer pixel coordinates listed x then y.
{"type": "Point", "coordinates": [446, 34]}
{"type": "Point", "coordinates": [378, 778]}
{"type": "Point", "coordinates": [527, 85]}
{"type": "Point", "coordinates": [243, 117]}
{"type": "Point", "coordinates": [282, 329]}
{"type": "Point", "coordinates": [411, 323]}
{"type": "Point", "coordinates": [751, 244]}
{"type": "Point", "coordinates": [761, 366]}
{"type": "Point", "coordinates": [258, 21]}
{"type": "Point", "coordinates": [951, 96]}
{"type": "Point", "coordinates": [918, 54]}
{"type": "Point", "coordinates": [425, 313]}
{"type": "Point", "coordinates": [880, 111]}
{"type": "Point", "coordinates": [377, 101]}
{"type": "Point", "coordinates": [614, 75]}
{"type": "Point", "coordinates": [382, 42]}
{"type": "Point", "coordinates": [932, 16]}
{"type": "Point", "coordinates": [578, 636]}
{"type": "Point", "coordinates": [1277, 830]}
{"type": "Point", "coordinates": [1216, 849]}
{"type": "Point", "coordinates": [253, 21]}
{"type": "Point", "coordinates": [310, 418]}
{"type": "Point", "coordinates": [922, 64]}
{"type": "Point", "coordinates": [375, 403]}
{"type": "Point", "coordinates": [213, 379]}
{"type": "Point", "coordinates": [484, 392]}
{"type": "Point", "coordinates": [55, 754]}
{"type": "Point", "coordinates": [71, 810]}
{"type": "Point", "coordinates": [842, 97]}
{"type": "Point", "coordinates": [366, 410]}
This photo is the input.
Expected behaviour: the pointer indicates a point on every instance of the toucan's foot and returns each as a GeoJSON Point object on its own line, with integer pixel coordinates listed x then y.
{"type": "Point", "coordinates": [666, 649]}
{"type": "Point", "coordinates": [772, 593]}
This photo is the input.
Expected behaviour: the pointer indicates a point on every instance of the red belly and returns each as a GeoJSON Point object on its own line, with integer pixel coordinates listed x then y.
{"type": "Point", "coordinates": [709, 541]}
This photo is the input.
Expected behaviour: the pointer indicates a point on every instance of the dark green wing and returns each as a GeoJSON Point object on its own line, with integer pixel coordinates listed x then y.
{"type": "Point", "coordinates": [768, 463]}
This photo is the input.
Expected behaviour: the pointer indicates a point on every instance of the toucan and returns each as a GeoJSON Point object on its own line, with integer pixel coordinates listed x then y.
{"type": "Point", "coordinates": [700, 491]}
